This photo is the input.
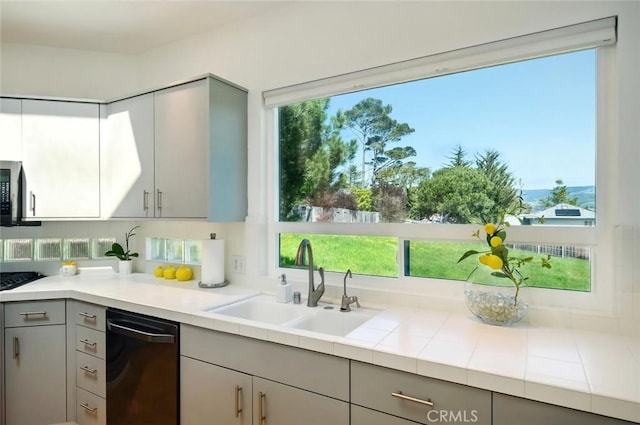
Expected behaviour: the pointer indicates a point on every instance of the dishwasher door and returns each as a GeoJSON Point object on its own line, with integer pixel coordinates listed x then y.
{"type": "Point", "coordinates": [142, 370]}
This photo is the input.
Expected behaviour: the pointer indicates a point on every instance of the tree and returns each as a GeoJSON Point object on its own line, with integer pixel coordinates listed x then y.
{"type": "Point", "coordinates": [559, 195]}
{"type": "Point", "coordinates": [457, 194]}
{"type": "Point", "coordinates": [311, 153]}
{"type": "Point", "coordinates": [504, 194]}
{"type": "Point", "coordinates": [458, 158]}
{"type": "Point", "coordinates": [374, 129]}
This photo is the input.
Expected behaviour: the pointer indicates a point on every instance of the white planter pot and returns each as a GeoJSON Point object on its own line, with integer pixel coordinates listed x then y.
{"type": "Point", "coordinates": [125, 267]}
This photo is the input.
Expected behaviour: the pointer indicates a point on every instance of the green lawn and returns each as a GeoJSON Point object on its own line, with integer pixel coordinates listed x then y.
{"type": "Point", "coordinates": [376, 255]}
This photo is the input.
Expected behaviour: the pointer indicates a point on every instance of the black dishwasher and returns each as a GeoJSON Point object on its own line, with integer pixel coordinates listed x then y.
{"type": "Point", "coordinates": [142, 369]}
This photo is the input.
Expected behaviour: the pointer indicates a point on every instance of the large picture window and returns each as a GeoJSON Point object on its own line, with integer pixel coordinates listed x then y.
{"type": "Point", "coordinates": [420, 164]}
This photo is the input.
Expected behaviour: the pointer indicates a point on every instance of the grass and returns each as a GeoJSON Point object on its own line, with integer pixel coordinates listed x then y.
{"type": "Point", "coordinates": [376, 255]}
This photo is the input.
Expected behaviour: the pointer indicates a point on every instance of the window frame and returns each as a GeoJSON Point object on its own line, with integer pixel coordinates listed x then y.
{"type": "Point", "coordinates": [599, 238]}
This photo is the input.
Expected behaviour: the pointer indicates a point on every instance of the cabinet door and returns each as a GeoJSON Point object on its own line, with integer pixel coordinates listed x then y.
{"type": "Point", "coordinates": [211, 394]}
{"type": "Point", "coordinates": [362, 416]}
{"type": "Point", "coordinates": [35, 374]}
{"type": "Point", "coordinates": [126, 159]}
{"type": "Point", "coordinates": [10, 129]}
{"type": "Point", "coordinates": [182, 150]}
{"type": "Point", "coordinates": [61, 158]}
{"type": "Point", "coordinates": [280, 404]}
{"type": "Point", "coordinates": [528, 412]}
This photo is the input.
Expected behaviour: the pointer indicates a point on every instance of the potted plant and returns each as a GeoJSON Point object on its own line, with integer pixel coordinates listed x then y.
{"type": "Point", "coordinates": [495, 304]}
{"type": "Point", "coordinates": [124, 265]}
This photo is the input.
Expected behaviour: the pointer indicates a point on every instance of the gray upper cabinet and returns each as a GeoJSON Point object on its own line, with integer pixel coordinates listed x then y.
{"type": "Point", "coordinates": [179, 152]}
{"type": "Point", "coordinates": [10, 129]}
{"type": "Point", "coordinates": [126, 159]}
{"type": "Point", "coordinates": [60, 154]}
{"type": "Point", "coordinates": [182, 150]}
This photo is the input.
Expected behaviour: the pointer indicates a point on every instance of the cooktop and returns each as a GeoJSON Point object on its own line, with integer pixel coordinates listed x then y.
{"type": "Point", "coordinates": [12, 280]}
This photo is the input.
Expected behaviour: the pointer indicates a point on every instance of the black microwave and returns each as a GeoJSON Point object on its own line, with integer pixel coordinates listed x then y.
{"type": "Point", "coordinates": [11, 195]}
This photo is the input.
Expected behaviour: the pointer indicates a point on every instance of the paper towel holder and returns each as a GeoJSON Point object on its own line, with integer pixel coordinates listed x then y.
{"type": "Point", "coordinates": [213, 285]}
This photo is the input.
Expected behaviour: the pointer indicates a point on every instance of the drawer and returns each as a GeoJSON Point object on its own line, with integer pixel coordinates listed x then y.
{"type": "Point", "coordinates": [89, 315]}
{"type": "Point", "coordinates": [34, 313]}
{"type": "Point", "coordinates": [90, 341]}
{"type": "Point", "coordinates": [373, 386]}
{"type": "Point", "coordinates": [91, 374]}
{"type": "Point", "coordinates": [90, 409]}
{"type": "Point", "coordinates": [308, 370]}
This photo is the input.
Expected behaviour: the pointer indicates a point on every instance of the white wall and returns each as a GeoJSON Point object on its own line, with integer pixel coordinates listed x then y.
{"type": "Point", "coordinates": [303, 41]}
{"type": "Point", "coordinates": [46, 71]}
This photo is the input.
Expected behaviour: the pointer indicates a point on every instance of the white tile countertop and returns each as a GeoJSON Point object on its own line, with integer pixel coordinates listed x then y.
{"type": "Point", "coordinates": [590, 371]}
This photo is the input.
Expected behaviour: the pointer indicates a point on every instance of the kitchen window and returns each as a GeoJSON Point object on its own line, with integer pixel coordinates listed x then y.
{"type": "Point", "coordinates": [400, 163]}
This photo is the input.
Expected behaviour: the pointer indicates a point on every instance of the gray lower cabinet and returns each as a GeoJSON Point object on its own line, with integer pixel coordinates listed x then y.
{"type": "Point", "coordinates": [528, 412]}
{"type": "Point", "coordinates": [223, 373]}
{"type": "Point", "coordinates": [362, 416]}
{"type": "Point", "coordinates": [211, 394]}
{"type": "Point", "coordinates": [35, 362]}
{"type": "Point", "coordinates": [279, 404]}
{"type": "Point", "coordinates": [418, 398]}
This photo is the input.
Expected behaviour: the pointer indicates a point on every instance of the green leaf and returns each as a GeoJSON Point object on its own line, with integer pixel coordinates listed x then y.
{"type": "Point", "coordinates": [117, 248]}
{"type": "Point", "coordinates": [502, 235]}
{"type": "Point", "coordinates": [499, 274]}
{"type": "Point", "coordinates": [468, 254]}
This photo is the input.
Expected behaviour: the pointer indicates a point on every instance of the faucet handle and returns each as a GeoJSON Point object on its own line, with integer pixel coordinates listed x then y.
{"type": "Point", "coordinates": [355, 299]}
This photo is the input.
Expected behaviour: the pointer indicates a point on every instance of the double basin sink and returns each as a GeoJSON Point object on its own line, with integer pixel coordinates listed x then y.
{"type": "Point", "coordinates": [325, 318]}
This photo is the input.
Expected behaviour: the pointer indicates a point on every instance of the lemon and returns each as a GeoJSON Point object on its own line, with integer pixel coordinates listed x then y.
{"type": "Point", "coordinates": [494, 262]}
{"type": "Point", "coordinates": [158, 272]}
{"type": "Point", "coordinates": [495, 241]}
{"type": "Point", "coordinates": [490, 228]}
{"type": "Point", "coordinates": [169, 272]}
{"type": "Point", "coordinates": [183, 273]}
{"type": "Point", "coordinates": [484, 259]}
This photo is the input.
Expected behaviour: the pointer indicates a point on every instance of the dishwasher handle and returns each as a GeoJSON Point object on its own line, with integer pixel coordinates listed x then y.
{"type": "Point", "coordinates": [139, 333]}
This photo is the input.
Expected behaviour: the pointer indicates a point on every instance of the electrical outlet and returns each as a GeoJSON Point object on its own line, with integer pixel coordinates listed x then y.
{"type": "Point", "coordinates": [238, 264]}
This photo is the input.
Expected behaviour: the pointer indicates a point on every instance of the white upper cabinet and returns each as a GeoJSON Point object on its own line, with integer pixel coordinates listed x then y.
{"type": "Point", "coordinates": [60, 154]}
{"type": "Point", "coordinates": [10, 129]}
{"type": "Point", "coordinates": [126, 159]}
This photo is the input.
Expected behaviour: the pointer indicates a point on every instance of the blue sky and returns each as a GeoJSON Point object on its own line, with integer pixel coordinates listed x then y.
{"type": "Point", "coordinates": [539, 114]}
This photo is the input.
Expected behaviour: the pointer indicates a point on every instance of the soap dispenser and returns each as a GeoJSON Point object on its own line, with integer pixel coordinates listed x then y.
{"type": "Point", "coordinates": [284, 291]}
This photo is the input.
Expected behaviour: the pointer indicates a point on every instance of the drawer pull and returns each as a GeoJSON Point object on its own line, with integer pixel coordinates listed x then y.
{"type": "Point", "coordinates": [237, 399]}
{"type": "Point", "coordinates": [89, 343]}
{"type": "Point", "coordinates": [88, 408]}
{"type": "Point", "coordinates": [413, 399]}
{"type": "Point", "coordinates": [88, 316]}
{"type": "Point", "coordinates": [26, 314]}
{"type": "Point", "coordinates": [89, 370]}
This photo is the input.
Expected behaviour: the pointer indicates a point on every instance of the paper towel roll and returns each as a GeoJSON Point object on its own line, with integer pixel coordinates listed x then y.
{"type": "Point", "coordinates": [212, 261]}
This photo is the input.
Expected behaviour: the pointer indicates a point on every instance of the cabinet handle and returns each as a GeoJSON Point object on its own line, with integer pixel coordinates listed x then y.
{"type": "Point", "coordinates": [237, 404]}
{"type": "Point", "coordinates": [87, 342]}
{"type": "Point", "coordinates": [399, 395]}
{"type": "Point", "coordinates": [89, 370]}
{"type": "Point", "coordinates": [88, 408]}
{"type": "Point", "coordinates": [16, 347]}
{"type": "Point", "coordinates": [145, 200]}
{"type": "Point", "coordinates": [88, 316]}
{"type": "Point", "coordinates": [26, 314]}
{"type": "Point", "coordinates": [159, 199]}
{"type": "Point", "coordinates": [32, 202]}
{"type": "Point", "coordinates": [261, 415]}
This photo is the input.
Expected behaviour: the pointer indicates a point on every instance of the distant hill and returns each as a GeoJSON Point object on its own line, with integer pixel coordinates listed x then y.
{"type": "Point", "coordinates": [586, 196]}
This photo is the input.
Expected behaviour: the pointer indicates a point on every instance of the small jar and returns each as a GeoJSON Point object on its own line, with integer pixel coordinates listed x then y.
{"type": "Point", "coordinates": [296, 297]}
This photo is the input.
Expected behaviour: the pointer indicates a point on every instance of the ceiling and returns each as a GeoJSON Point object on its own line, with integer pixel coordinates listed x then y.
{"type": "Point", "coordinates": [115, 26]}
